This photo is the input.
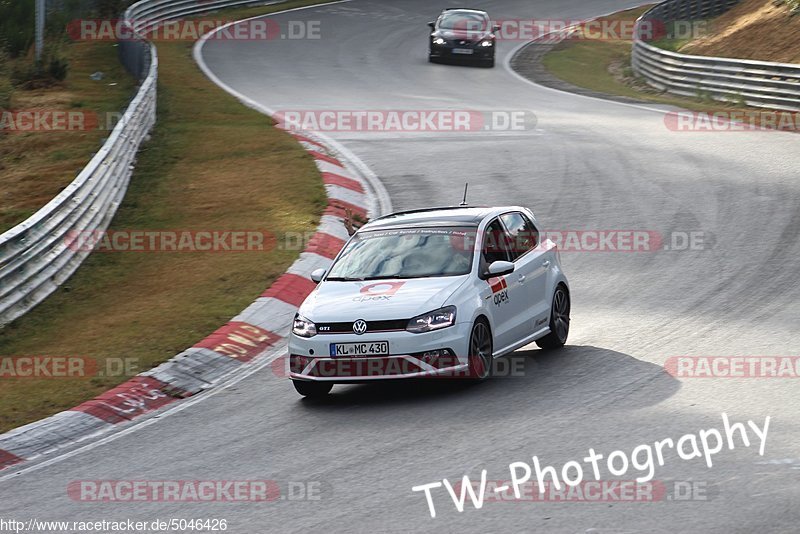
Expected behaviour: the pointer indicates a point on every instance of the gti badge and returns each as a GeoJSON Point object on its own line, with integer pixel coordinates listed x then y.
{"type": "Point", "coordinates": [359, 327]}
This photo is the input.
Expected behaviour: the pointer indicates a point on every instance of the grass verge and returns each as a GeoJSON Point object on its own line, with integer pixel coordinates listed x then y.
{"type": "Point", "coordinates": [603, 66]}
{"type": "Point", "coordinates": [212, 164]}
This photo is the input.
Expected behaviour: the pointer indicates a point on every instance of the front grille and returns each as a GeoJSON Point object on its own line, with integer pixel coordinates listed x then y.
{"type": "Point", "coordinates": [461, 43]}
{"type": "Point", "coordinates": [372, 326]}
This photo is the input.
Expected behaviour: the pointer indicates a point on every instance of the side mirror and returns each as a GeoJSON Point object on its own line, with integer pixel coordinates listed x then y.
{"type": "Point", "coordinates": [432, 24]}
{"type": "Point", "coordinates": [500, 268]}
{"type": "Point", "coordinates": [496, 28]}
{"type": "Point", "coordinates": [317, 275]}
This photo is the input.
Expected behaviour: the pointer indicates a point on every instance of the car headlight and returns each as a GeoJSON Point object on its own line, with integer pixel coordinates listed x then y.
{"type": "Point", "coordinates": [438, 41]}
{"type": "Point", "coordinates": [441, 318]}
{"type": "Point", "coordinates": [487, 42]}
{"type": "Point", "coordinates": [303, 327]}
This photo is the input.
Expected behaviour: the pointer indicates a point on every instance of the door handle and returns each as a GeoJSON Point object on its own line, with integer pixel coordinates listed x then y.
{"type": "Point", "coordinates": [546, 264]}
{"type": "Point", "coordinates": [522, 279]}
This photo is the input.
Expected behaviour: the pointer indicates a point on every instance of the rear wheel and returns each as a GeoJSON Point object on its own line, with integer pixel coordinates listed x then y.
{"type": "Point", "coordinates": [559, 320]}
{"type": "Point", "coordinates": [312, 389]}
{"type": "Point", "coordinates": [480, 351]}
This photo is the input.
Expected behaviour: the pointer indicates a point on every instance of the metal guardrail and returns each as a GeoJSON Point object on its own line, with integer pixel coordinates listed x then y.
{"type": "Point", "coordinates": [36, 256]}
{"type": "Point", "coordinates": [755, 83]}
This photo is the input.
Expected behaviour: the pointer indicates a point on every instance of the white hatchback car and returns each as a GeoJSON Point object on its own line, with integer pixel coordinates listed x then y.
{"type": "Point", "coordinates": [432, 292]}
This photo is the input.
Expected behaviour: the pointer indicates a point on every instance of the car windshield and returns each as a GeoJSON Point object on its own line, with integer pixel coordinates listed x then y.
{"type": "Point", "coordinates": [406, 253]}
{"type": "Point", "coordinates": [463, 21]}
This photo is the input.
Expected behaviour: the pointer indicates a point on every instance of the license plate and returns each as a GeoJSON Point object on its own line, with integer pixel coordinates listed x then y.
{"type": "Point", "coordinates": [371, 348]}
{"type": "Point", "coordinates": [462, 51]}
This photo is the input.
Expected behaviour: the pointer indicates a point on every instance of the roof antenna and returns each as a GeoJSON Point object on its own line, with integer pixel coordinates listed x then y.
{"type": "Point", "coordinates": [464, 202]}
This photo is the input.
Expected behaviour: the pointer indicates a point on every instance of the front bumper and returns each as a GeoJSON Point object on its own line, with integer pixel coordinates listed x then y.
{"type": "Point", "coordinates": [410, 356]}
{"type": "Point", "coordinates": [446, 51]}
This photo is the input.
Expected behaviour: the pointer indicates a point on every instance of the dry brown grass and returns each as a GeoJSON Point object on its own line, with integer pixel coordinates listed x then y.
{"type": "Point", "coordinates": [212, 164]}
{"type": "Point", "coordinates": [753, 29]}
{"type": "Point", "coordinates": [35, 166]}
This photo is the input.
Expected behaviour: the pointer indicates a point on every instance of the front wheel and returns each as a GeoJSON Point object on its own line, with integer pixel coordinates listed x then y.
{"type": "Point", "coordinates": [559, 321]}
{"type": "Point", "coordinates": [312, 389]}
{"type": "Point", "coordinates": [480, 351]}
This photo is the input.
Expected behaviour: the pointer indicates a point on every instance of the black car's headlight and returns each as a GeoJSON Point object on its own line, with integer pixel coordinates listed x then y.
{"type": "Point", "coordinates": [435, 320]}
{"type": "Point", "coordinates": [303, 327]}
{"type": "Point", "coordinates": [438, 41]}
{"type": "Point", "coordinates": [487, 42]}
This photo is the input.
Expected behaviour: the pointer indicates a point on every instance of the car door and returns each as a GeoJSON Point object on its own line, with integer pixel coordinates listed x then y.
{"type": "Point", "coordinates": [531, 264]}
{"type": "Point", "coordinates": [501, 295]}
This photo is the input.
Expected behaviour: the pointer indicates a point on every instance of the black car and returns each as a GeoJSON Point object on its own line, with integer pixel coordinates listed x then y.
{"type": "Point", "coordinates": [464, 35]}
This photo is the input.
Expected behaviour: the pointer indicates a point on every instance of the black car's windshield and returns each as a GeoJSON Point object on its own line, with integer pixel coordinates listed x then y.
{"type": "Point", "coordinates": [464, 21]}
{"type": "Point", "coordinates": [406, 253]}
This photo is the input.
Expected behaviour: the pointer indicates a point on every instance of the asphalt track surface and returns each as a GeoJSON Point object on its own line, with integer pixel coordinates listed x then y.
{"type": "Point", "coordinates": [588, 164]}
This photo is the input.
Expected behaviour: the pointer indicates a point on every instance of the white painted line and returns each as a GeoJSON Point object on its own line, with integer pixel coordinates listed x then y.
{"type": "Point", "coordinates": [382, 204]}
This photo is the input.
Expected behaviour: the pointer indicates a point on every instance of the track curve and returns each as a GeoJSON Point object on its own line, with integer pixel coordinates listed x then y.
{"type": "Point", "coordinates": [588, 164]}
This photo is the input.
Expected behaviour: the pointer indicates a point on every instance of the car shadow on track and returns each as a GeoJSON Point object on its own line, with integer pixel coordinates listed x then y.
{"type": "Point", "coordinates": [562, 379]}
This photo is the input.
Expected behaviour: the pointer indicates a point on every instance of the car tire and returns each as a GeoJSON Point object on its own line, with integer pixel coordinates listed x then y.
{"type": "Point", "coordinates": [312, 389]}
{"type": "Point", "coordinates": [480, 351]}
{"type": "Point", "coordinates": [559, 320]}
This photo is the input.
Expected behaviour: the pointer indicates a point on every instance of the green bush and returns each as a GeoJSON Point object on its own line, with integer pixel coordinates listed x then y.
{"type": "Point", "coordinates": [6, 90]}
{"type": "Point", "coordinates": [16, 26]}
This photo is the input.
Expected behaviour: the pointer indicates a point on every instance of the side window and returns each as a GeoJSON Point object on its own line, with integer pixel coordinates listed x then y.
{"type": "Point", "coordinates": [495, 243]}
{"type": "Point", "coordinates": [522, 234]}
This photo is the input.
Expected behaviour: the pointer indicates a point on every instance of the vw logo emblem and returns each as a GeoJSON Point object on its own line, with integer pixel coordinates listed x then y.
{"type": "Point", "coordinates": [359, 327]}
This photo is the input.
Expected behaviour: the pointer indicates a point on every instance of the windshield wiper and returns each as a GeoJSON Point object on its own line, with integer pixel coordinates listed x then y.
{"type": "Point", "coordinates": [344, 279]}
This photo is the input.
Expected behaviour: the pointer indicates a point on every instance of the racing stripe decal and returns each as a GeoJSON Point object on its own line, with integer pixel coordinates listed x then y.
{"type": "Point", "coordinates": [497, 284]}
